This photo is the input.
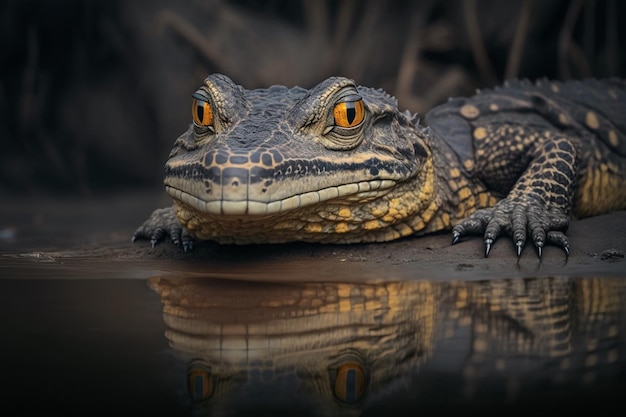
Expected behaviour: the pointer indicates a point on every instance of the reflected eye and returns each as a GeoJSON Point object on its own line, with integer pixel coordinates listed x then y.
{"type": "Point", "coordinates": [201, 112]}
{"type": "Point", "coordinates": [349, 113]}
{"type": "Point", "coordinates": [199, 383]}
{"type": "Point", "coordinates": [349, 383]}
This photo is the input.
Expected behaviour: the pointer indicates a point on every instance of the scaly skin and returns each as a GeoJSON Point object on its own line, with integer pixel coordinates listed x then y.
{"type": "Point", "coordinates": [341, 164]}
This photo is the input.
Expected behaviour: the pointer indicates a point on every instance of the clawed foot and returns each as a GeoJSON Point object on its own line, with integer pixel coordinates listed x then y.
{"type": "Point", "coordinates": [164, 222]}
{"type": "Point", "coordinates": [517, 220]}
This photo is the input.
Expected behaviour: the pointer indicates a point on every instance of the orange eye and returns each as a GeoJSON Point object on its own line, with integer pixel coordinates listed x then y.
{"type": "Point", "coordinates": [349, 113]}
{"type": "Point", "coordinates": [350, 382]}
{"type": "Point", "coordinates": [199, 383]}
{"type": "Point", "coordinates": [202, 113]}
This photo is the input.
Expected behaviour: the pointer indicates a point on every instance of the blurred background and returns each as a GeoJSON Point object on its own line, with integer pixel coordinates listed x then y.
{"type": "Point", "coordinates": [94, 93]}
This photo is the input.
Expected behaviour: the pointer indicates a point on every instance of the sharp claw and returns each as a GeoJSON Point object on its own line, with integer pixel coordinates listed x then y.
{"type": "Point", "coordinates": [132, 239]}
{"type": "Point", "coordinates": [488, 243]}
{"type": "Point", "coordinates": [566, 249]}
{"type": "Point", "coordinates": [153, 242]}
{"type": "Point", "coordinates": [455, 237]}
{"type": "Point", "coordinates": [520, 246]}
{"type": "Point", "coordinates": [539, 252]}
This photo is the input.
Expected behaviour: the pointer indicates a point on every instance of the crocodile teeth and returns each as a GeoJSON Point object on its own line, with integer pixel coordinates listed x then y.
{"type": "Point", "coordinates": [251, 207]}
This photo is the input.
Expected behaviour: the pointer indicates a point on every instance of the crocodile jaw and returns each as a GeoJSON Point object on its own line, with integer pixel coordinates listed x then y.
{"type": "Point", "coordinates": [362, 212]}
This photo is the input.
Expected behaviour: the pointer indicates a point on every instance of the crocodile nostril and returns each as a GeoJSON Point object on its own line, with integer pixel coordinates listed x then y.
{"type": "Point", "coordinates": [234, 176]}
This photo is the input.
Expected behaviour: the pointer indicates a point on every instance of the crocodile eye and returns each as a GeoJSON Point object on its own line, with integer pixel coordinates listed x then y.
{"type": "Point", "coordinates": [200, 382]}
{"type": "Point", "coordinates": [349, 383]}
{"type": "Point", "coordinates": [201, 112]}
{"type": "Point", "coordinates": [349, 113]}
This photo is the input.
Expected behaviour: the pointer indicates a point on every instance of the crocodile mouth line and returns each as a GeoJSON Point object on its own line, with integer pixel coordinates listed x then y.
{"type": "Point", "coordinates": [360, 190]}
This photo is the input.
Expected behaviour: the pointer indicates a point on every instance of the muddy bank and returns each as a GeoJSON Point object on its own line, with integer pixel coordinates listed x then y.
{"type": "Point", "coordinates": [86, 238]}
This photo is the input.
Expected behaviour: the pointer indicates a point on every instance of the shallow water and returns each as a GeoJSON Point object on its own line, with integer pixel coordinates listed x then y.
{"type": "Point", "coordinates": [174, 345]}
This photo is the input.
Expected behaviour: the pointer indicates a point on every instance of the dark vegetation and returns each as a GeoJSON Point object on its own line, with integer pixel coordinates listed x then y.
{"type": "Point", "coordinates": [93, 93]}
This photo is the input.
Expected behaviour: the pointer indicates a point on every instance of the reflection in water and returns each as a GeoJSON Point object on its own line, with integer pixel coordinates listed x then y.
{"type": "Point", "coordinates": [345, 349]}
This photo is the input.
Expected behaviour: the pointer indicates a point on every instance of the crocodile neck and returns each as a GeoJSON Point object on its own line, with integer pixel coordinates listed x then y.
{"type": "Point", "coordinates": [457, 192]}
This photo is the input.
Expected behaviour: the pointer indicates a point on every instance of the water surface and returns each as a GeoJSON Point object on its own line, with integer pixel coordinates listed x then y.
{"type": "Point", "coordinates": [174, 345]}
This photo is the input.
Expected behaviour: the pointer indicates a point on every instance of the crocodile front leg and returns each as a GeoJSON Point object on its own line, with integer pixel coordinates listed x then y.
{"type": "Point", "coordinates": [539, 203]}
{"type": "Point", "coordinates": [164, 222]}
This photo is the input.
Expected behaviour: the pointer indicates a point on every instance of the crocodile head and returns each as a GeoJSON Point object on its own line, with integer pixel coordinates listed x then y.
{"type": "Point", "coordinates": [337, 163]}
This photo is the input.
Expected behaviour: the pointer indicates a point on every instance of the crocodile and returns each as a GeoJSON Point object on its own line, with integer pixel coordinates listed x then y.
{"type": "Point", "coordinates": [340, 163]}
